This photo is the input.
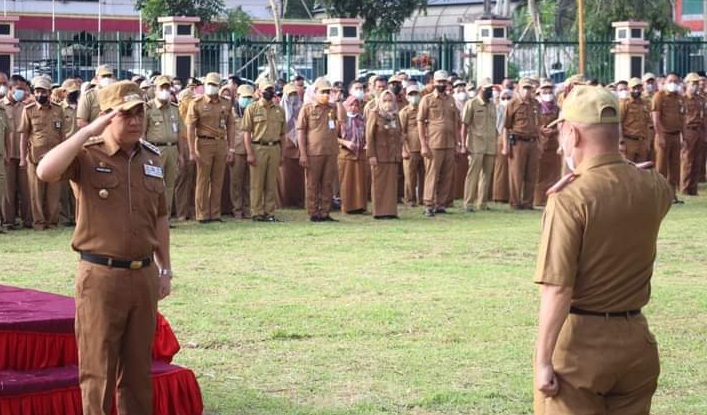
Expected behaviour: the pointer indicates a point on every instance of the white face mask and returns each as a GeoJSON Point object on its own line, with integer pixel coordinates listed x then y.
{"type": "Point", "coordinates": [495, 94]}
{"type": "Point", "coordinates": [211, 90]}
{"type": "Point", "coordinates": [693, 89]}
{"type": "Point", "coordinates": [671, 87]}
{"type": "Point", "coordinates": [414, 99]}
{"type": "Point", "coordinates": [503, 102]}
{"type": "Point", "coordinates": [3, 90]}
{"type": "Point", "coordinates": [471, 94]}
{"type": "Point", "coordinates": [547, 97]}
{"type": "Point", "coordinates": [358, 93]}
{"type": "Point", "coordinates": [623, 94]}
{"type": "Point", "coordinates": [650, 87]}
{"type": "Point", "coordinates": [351, 114]}
{"type": "Point", "coordinates": [460, 96]}
{"type": "Point", "coordinates": [569, 160]}
{"type": "Point", "coordinates": [163, 95]}
{"type": "Point", "coordinates": [105, 82]}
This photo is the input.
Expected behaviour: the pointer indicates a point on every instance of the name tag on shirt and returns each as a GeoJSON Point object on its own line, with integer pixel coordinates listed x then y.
{"type": "Point", "coordinates": [332, 124]}
{"type": "Point", "coordinates": [174, 127]}
{"type": "Point", "coordinates": [104, 169]}
{"type": "Point", "coordinates": [153, 171]}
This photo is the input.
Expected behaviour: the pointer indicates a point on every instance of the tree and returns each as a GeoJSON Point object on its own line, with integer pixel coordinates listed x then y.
{"type": "Point", "coordinates": [298, 9]}
{"type": "Point", "coordinates": [237, 22]}
{"type": "Point", "coordinates": [382, 18]}
{"type": "Point", "coordinates": [206, 10]}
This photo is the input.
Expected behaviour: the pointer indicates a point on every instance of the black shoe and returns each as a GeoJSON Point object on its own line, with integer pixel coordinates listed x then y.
{"type": "Point", "coordinates": [218, 220]}
{"type": "Point", "coordinates": [315, 219]}
{"type": "Point", "coordinates": [328, 218]}
{"type": "Point", "coordinates": [470, 209]}
{"type": "Point", "coordinates": [677, 201]}
{"type": "Point", "coordinates": [429, 212]}
{"type": "Point", "coordinates": [9, 227]}
{"type": "Point", "coordinates": [259, 218]}
{"type": "Point", "coordinates": [440, 211]}
{"type": "Point", "coordinates": [204, 221]}
{"type": "Point", "coordinates": [272, 218]}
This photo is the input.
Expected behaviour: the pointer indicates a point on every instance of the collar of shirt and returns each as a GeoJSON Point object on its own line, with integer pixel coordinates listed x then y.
{"type": "Point", "coordinates": [479, 98]}
{"type": "Point", "coordinates": [159, 104]}
{"type": "Point", "coordinates": [265, 104]}
{"type": "Point", "coordinates": [598, 161]}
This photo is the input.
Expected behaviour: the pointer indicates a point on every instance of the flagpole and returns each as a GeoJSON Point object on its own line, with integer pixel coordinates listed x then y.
{"type": "Point", "coordinates": [139, 52]}
{"type": "Point", "coordinates": [53, 17]}
{"type": "Point", "coordinates": [100, 12]}
{"type": "Point", "coordinates": [580, 29]}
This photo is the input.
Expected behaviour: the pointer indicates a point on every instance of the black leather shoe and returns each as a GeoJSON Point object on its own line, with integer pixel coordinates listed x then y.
{"type": "Point", "coordinates": [315, 219]}
{"type": "Point", "coordinates": [328, 218]}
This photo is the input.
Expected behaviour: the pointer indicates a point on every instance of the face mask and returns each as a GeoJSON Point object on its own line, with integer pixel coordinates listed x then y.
{"type": "Point", "coordinates": [323, 99]}
{"type": "Point", "coordinates": [243, 102]}
{"type": "Point", "coordinates": [358, 94]}
{"type": "Point", "coordinates": [395, 89]}
{"type": "Point", "coordinates": [650, 87]}
{"type": "Point", "coordinates": [387, 106]}
{"type": "Point", "coordinates": [351, 114]}
{"type": "Point", "coordinates": [693, 89]}
{"type": "Point", "coordinates": [3, 90]}
{"type": "Point", "coordinates": [18, 95]}
{"type": "Point", "coordinates": [524, 93]}
{"type": "Point", "coordinates": [495, 94]}
{"type": "Point", "coordinates": [460, 96]}
{"type": "Point", "coordinates": [293, 99]}
{"type": "Point", "coordinates": [105, 81]}
{"type": "Point", "coordinates": [42, 99]}
{"type": "Point", "coordinates": [211, 90]}
{"type": "Point", "coordinates": [73, 97]}
{"type": "Point", "coordinates": [488, 94]}
{"type": "Point", "coordinates": [671, 87]}
{"type": "Point", "coordinates": [503, 102]}
{"type": "Point", "coordinates": [268, 95]}
{"type": "Point", "coordinates": [441, 88]}
{"type": "Point", "coordinates": [623, 94]}
{"type": "Point", "coordinates": [635, 94]}
{"type": "Point", "coordinates": [176, 88]}
{"type": "Point", "coordinates": [569, 160]}
{"type": "Point", "coordinates": [414, 99]}
{"type": "Point", "coordinates": [547, 97]}
{"type": "Point", "coordinates": [163, 95]}
{"type": "Point", "coordinates": [471, 94]}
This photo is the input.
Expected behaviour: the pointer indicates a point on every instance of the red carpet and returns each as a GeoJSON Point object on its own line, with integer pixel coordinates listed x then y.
{"type": "Point", "coordinates": [38, 357]}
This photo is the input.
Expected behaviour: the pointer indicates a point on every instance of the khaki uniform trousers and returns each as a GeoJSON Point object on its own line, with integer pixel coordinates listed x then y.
{"type": "Point", "coordinates": [605, 366]}
{"type": "Point", "coordinates": [500, 174]}
{"type": "Point", "coordinates": [44, 198]}
{"type": "Point", "coordinates": [170, 159]}
{"type": "Point", "coordinates": [667, 159]}
{"type": "Point", "coordinates": [478, 178]}
{"type": "Point", "coordinates": [689, 160]}
{"type": "Point", "coordinates": [523, 173]}
{"type": "Point", "coordinates": [240, 187]}
{"type": "Point", "coordinates": [16, 190]}
{"type": "Point", "coordinates": [319, 178]}
{"type": "Point", "coordinates": [67, 201]}
{"type": "Point", "coordinates": [549, 172]}
{"type": "Point", "coordinates": [263, 180]}
{"type": "Point", "coordinates": [210, 172]}
{"type": "Point", "coordinates": [185, 187]}
{"type": "Point", "coordinates": [414, 172]}
{"type": "Point", "coordinates": [115, 325]}
{"type": "Point", "coordinates": [637, 151]}
{"type": "Point", "coordinates": [439, 175]}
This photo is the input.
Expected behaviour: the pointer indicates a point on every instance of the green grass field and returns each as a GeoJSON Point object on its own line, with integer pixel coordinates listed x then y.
{"type": "Point", "coordinates": [416, 316]}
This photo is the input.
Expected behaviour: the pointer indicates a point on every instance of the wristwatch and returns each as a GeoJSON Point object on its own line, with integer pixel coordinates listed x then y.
{"type": "Point", "coordinates": [166, 272]}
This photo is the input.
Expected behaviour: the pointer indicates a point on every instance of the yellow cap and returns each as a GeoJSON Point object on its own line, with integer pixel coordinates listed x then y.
{"type": "Point", "coordinates": [122, 95]}
{"type": "Point", "coordinates": [576, 79]}
{"type": "Point", "coordinates": [585, 105]}
{"type": "Point", "coordinates": [213, 78]}
{"type": "Point", "coordinates": [692, 77]}
{"type": "Point", "coordinates": [245, 91]}
{"type": "Point", "coordinates": [441, 75]}
{"type": "Point", "coordinates": [322, 84]}
{"type": "Point", "coordinates": [525, 82]}
{"type": "Point", "coordinates": [42, 83]}
{"type": "Point", "coordinates": [104, 70]}
{"type": "Point", "coordinates": [647, 76]}
{"type": "Point", "coordinates": [289, 89]}
{"type": "Point", "coordinates": [70, 85]}
{"type": "Point", "coordinates": [265, 83]}
{"type": "Point", "coordinates": [634, 82]}
{"type": "Point", "coordinates": [162, 80]}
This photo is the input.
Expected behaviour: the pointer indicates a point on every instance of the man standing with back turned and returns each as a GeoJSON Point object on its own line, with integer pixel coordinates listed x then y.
{"type": "Point", "coordinates": [595, 354]}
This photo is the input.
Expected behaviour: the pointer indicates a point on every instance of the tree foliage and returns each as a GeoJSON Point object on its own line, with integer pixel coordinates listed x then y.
{"type": "Point", "coordinates": [382, 18]}
{"type": "Point", "coordinates": [206, 10]}
{"type": "Point", "coordinates": [296, 10]}
{"type": "Point", "coordinates": [237, 22]}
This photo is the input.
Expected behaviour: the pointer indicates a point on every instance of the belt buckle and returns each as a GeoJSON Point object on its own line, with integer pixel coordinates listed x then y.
{"type": "Point", "coordinates": [134, 265]}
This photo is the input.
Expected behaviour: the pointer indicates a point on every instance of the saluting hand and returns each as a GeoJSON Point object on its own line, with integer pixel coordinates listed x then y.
{"type": "Point", "coordinates": [96, 127]}
{"type": "Point", "coordinates": [546, 380]}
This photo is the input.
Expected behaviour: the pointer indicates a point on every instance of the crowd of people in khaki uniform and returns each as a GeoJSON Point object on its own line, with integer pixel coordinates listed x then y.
{"type": "Point", "coordinates": [247, 150]}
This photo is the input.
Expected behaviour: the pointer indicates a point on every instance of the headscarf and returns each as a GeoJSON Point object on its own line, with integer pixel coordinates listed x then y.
{"type": "Point", "coordinates": [291, 115]}
{"type": "Point", "coordinates": [355, 127]}
{"type": "Point", "coordinates": [389, 115]}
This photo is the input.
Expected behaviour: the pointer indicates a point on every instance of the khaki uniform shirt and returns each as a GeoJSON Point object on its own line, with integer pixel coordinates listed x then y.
{"type": "Point", "coordinates": [599, 234]}
{"type": "Point", "coordinates": [88, 108]}
{"type": "Point", "coordinates": [439, 113]}
{"type": "Point", "coordinates": [321, 128]}
{"type": "Point", "coordinates": [480, 119]}
{"type": "Point", "coordinates": [408, 125]}
{"type": "Point", "coordinates": [44, 127]}
{"type": "Point", "coordinates": [119, 199]}
{"type": "Point", "coordinates": [670, 111]}
{"type": "Point", "coordinates": [70, 126]}
{"type": "Point", "coordinates": [383, 138]}
{"type": "Point", "coordinates": [163, 123]}
{"type": "Point", "coordinates": [635, 117]}
{"type": "Point", "coordinates": [265, 121]}
{"type": "Point", "coordinates": [549, 142]}
{"type": "Point", "coordinates": [239, 145]}
{"type": "Point", "coordinates": [694, 111]}
{"type": "Point", "coordinates": [4, 124]}
{"type": "Point", "coordinates": [13, 113]}
{"type": "Point", "coordinates": [522, 117]}
{"type": "Point", "coordinates": [211, 116]}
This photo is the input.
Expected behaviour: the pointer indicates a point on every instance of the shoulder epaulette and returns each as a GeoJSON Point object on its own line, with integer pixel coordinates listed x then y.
{"type": "Point", "coordinates": [31, 104]}
{"type": "Point", "coordinates": [174, 104]}
{"type": "Point", "coordinates": [561, 184]}
{"type": "Point", "coordinates": [93, 141]}
{"type": "Point", "coordinates": [646, 165]}
{"type": "Point", "coordinates": [153, 148]}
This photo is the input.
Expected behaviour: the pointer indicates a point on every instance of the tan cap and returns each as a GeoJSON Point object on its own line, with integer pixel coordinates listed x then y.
{"type": "Point", "coordinates": [441, 75]}
{"type": "Point", "coordinates": [525, 82]}
{"type": "Point", "coordinates": [322, 85]}
{"type": "Point", "coordinates": [122, 95]}
{"type": "Point", "coordinates": [692, 77]}
{"type": "Point", "coordinates": [289, 89]}
{"type": "Point", "coordinates": [634, 82]}
{"type": "Point", "coordinates": [245, 91]}
{"type": "Point", "coordinates": [163, 80]}
{"type": "Point", "coordinates": [213, 78]}
{"type": "Point", "coordinates": [412, 88]}
{"type": "Point", "coordinates": [485, 83]}
{"type": "Point", "coordinates": [265, 83]}
{"type": "Point", "coordinates": [395, 78]}
{"type": "Point", "coordinates": [585, 104]}
{"type": "Point", "coordinates": [576, 79]}
{"type": "Point", "coordinates": [42, 83]}
{"type": "Point", "coordinates": [647, 76]}
{"type": "Point", "coordinates": [547, 84]}
{"type": "Point", "coordinates": [145, 84]}
{"type": "Point", "coordinates": [459, 82]}
{"type": "Point", "coordinates": [104, 70]}
{"type": "Point", "coordinates": [70, 85]}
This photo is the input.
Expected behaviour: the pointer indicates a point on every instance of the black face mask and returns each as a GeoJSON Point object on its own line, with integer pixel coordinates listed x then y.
{"type": "Point", "coordinates": [395, 89]}
{"type": "Point", "coordinates": [635, 94]}
{"type": "Point", "coordinates": [488, 94]}
{"type": "Point", "coordinates": [268, 95]}
{"type": "Point", "coordinates": [441, 88]}
{"type": "Point", "coordinates": [73, 97]}
{"type": "Point", "coordinates": [42, 99]}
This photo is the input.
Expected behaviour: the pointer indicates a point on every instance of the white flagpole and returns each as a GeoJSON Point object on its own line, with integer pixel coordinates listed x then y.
{"type": "Point", "coordinates": [139, 52]}
{"type": "Point", "coordinates": [53, 17]}
{"type": "Point", "coordinates": [100, 12]}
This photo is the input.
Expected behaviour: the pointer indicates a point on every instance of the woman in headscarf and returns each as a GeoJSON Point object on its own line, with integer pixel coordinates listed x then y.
{"type": "Point", "coordinates": [384, 152]}
{"type": "Point", "coordinates": [291, 182]}
{"type": "Point", "coordinates": [353, 166]}
{"type": "Point", "coordinates": [501, 186]}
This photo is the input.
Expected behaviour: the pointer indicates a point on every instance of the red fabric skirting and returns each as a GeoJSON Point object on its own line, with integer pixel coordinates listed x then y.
{"type": "Point", "coordinates": [47, 392]}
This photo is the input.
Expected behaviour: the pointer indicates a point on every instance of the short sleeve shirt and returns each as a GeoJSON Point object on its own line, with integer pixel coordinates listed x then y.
{"type": "Point", "coordinates": [480, 119]}
{"type": "Point", "coordinates": [440, 114]}
{"type": "Point", "coordinates": [670, 111]}
{"type": "Point", "coordinates": [210, 116]}
{"type": "Point", "coordinates": [44, 127]}
{"type": "Point", "coordinates": [88, 108]}
{"type": "Point", "coordinates": [265, 121]}
{"type": "Point", "coordinates": [321, 127]}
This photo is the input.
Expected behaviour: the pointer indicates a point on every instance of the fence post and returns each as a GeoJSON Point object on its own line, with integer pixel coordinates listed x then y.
{"type": "Point", "coordinates": [59, 79]}
{"type": "Point", "coordinates": [288, 54]}
{"type": "Point", "coordinates": [120, 55]}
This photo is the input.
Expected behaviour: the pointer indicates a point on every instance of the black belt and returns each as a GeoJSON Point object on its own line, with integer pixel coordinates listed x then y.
{"type": "Point", "coordinates": [529, 139]}
{"type": "Point", "coordinates": [266, 143]}
{"type": "Point", "coordinates": [672, 132]}
{"type": "Point", "coordinates": [207, 137]}
{"type": "Point", "coordinates": [690, 127]}
{"type": "Point", "coordinates": [163, 144]}
{"type": "Point", "coordinates": [634, 138]}
{"type": "Point", "coordinates": [115, 263]}
{"type": "Point", "coordinates": [575, 310]}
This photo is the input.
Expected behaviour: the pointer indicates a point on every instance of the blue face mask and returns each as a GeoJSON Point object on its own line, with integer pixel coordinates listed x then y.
{"type": "Point", "coordinates": [244, 102]}
{"type": "Point", "coordinates": [18, 95]}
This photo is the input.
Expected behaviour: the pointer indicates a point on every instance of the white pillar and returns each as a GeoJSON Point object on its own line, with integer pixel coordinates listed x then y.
{"type": "Point", "coordinates": [345, 49]}
{"type": "Point", "coordinates": [630, 50]}
{"type": "Point", "coordinates": [9, 44]}
{"type": "Point", "coordinates": [180, 46]}
{"type": "Point", "coordinates": [491, 48]}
